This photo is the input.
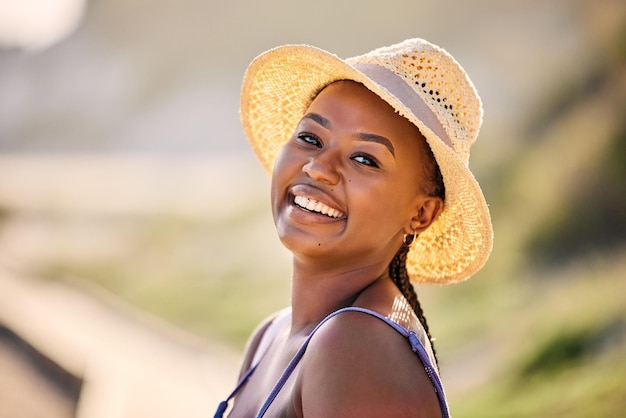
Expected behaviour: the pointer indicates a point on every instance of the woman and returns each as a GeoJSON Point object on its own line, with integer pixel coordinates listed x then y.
{"type": "Point", "coordinates": [370, 190]}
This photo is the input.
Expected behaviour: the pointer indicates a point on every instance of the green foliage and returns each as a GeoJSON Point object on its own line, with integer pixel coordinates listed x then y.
{"type": "Point", "coordinates": [589, 389]}
{"type": "Point", "coordinates": [557, 341]}
{"type": "Point", "coordinates": [594, 220]}
{"type": "Point", "coordinates": [565, 349]}
{"type": "Point", "coordinates": [192, 273]}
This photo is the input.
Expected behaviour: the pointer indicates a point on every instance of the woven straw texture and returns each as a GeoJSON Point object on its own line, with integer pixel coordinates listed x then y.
{"type": "Point", "coordinates": [280, 84]}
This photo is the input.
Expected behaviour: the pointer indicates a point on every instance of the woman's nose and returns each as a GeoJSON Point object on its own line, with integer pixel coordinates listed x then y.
{"type": "Point", "coordinates": [324, 168]}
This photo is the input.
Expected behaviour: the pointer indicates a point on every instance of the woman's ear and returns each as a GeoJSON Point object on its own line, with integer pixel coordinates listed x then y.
{"type": "Point", "coordinates": [427, 210]}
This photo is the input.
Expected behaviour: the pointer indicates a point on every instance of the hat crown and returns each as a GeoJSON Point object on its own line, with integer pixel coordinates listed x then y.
{"type": "Point", "coordinates": [440, 81]}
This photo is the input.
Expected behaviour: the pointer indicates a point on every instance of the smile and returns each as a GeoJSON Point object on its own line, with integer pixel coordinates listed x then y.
{"type": "Point", "coordinates": [318, 207]}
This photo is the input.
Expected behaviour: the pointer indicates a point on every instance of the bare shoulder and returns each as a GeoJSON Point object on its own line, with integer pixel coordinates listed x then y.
{"type": "Point", "coordinates": [358, 366]}
{"type": "Point", "coordinates": [252, 345]}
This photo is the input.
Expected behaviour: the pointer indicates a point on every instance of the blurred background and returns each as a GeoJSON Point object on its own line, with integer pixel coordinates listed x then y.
{"type": "Point", "coordinates": [137, 250]}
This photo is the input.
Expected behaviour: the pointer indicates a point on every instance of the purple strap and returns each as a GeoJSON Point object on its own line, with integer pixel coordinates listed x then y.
{"type": "Point", "coordinates": [221, 408]}
{"type": "Point", "coordinates": [415, 343]}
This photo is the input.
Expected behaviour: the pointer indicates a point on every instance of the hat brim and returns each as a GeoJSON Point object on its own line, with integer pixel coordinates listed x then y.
{"type": "Point", "coordinates": [278, 87]}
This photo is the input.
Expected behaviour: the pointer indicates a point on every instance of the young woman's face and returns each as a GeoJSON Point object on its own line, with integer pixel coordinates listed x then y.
{"type": "Point", "coordinates": [348, 182]}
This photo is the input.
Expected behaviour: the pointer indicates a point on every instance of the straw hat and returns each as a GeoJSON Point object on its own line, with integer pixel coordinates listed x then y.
{"type": "Point", "coordinates": [423, 83]}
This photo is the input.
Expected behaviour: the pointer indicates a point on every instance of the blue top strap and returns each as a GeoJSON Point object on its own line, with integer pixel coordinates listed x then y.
{"type": "Point", "coordinates": [221, 408]}
{"type": "Point", "coordinates": [412, 338]}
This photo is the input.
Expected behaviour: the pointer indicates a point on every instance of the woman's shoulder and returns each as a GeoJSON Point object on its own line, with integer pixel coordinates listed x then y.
{"type": "Point", "coordinates": [353, 332]}
{"type": "Point", "coordinates": [359, 365]}
{"type": "Point", "coordinates": [260, 336]}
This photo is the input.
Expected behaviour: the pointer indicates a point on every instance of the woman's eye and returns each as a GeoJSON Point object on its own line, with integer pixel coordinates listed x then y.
{"type": "Point", "coordinates": [310, 139]}
{"type": "Point", "coordinates": [365, 160]}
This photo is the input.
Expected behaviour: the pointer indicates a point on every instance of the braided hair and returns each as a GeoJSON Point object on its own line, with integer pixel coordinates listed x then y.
{"type": "Point", "coordinates": [399, 275]}
{"type": "Point", "coordinates": [397, 267]}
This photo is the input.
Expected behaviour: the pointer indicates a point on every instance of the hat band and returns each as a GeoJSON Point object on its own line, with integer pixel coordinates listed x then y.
{"type": "Point", "coordinates": [397, 86]}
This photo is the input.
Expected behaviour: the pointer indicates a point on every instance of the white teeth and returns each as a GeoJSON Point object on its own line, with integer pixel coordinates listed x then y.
{"type": "Point", "coordinates": [315, 206]}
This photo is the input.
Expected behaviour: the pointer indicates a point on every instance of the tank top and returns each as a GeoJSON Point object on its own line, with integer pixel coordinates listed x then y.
{"type": "Point", "coordinates": [416, 346]}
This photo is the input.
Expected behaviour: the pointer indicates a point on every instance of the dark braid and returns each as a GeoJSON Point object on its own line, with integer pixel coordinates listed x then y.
{"type": "Point", "coordinates": [434, 186]}
{"type": "Point", "coordinates": [399, 275]}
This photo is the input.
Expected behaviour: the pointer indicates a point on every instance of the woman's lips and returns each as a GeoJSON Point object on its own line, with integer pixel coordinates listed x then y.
{"type": "Point", "coordinates": [313, 205]}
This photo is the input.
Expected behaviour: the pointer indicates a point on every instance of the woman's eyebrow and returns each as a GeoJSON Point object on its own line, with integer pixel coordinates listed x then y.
{"type": "Point", "coordinates": [319, 119]}
{"type": "Point", "coordinates": [378, 139]}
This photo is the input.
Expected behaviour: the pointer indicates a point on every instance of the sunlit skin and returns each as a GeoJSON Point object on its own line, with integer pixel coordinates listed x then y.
{"type": "Point", "coordinates": [363, 163]}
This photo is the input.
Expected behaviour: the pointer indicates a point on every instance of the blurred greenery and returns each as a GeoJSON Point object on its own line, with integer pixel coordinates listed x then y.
{"type": "Point", "coordinates": [595, 220]}
{"type": "Point", "coordinates": [167, 272]}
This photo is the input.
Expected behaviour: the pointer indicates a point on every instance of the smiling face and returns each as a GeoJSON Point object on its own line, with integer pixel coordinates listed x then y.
{"type": "Point", "coordinates": [350, 181]}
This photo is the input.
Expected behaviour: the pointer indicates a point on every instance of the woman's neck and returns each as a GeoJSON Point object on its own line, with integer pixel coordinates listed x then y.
{"type": "Point", "coordinates": [316, 292]}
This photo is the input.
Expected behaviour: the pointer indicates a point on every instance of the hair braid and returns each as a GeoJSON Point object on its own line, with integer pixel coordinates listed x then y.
{"type": "Point", "coordinates": [399, 275]}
